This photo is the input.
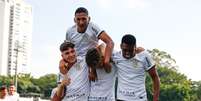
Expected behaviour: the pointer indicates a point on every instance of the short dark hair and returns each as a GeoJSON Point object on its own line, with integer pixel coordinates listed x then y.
{"type": "Point", "coordinates": [92, 57]}
{"type": "Point", "coordinates": [2, 88]}
{"type": "Point", "coordinates": [129, 39]}
{"type": "Point", "coordinates": [81, 10]}
{"type": "Point", "coordinates": [65, 45]}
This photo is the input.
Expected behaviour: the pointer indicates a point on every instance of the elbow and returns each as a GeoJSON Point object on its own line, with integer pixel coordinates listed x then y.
{"type": "Point", "coordinates": [110, 44]}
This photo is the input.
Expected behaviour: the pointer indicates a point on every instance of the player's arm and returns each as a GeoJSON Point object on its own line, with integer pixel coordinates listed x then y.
{"type": "Point", "coordinates": [60, 90]}
{"type": "Point", "coordinates": [108, 50]}
{"type": "Point", "coordinates": [156, 83]}
{"type": "Point", "coordinates": [55, 97]}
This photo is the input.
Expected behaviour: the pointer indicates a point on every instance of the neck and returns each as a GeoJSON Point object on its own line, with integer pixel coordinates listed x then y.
{"type": "Point", "coordinates": [81, 30]}
{"type": "Point", "coordinates": [71, 64]}
{"type": "Point", "coordinates": [134, 54]}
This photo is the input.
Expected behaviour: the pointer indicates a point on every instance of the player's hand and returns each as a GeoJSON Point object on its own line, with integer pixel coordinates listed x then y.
{"type": "Point", "coordinates": [107, 66]}
{"type": "Point", "coordinates": [66, 81]}
{"type": "Point", "coordinates": [92, 75]}
{"type": "Point", "coordinates": [63, 66]}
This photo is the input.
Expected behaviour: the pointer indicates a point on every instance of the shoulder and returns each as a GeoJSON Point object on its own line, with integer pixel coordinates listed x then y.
{"type": "Point", "coordinates": [81, 60]}
{"type": "Point", "coordinates": [17, 94]}
{"type": "Point", "coordinates": [93, 26]}
{"type": "Point", "coordinates": [71, 29]}
{"type": "Point", "coordinates": [116, 55]}
{"type": "Point", "coordinates": [143, 54]}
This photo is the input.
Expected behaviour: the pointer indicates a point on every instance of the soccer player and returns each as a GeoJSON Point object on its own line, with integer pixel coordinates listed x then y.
{"type": "Point", "coordinates": [131, 72]}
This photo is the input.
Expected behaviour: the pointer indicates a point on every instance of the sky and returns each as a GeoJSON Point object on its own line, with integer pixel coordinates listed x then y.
{"type": "Point", "coordinates": [172, 26]}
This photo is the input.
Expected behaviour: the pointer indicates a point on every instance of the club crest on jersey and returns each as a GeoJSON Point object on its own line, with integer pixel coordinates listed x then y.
{"type": "Point", "coordinates": [136, 63]}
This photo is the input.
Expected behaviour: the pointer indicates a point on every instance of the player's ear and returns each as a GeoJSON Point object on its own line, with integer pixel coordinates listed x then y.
{"type": "Point", "coordinates": [121, 46]}
{"type": "Point", "coordinates": [89, 18]}
{"type": "Point", "coordinates": [74, 20]}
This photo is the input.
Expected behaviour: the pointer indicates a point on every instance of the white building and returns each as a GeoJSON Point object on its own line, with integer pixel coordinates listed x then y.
{"type": "Point", "coordinates": [15, 36]}
{"type": "Point", "coordinates": [4, 33]}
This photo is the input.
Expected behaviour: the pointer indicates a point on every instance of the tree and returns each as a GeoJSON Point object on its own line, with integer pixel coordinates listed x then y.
{"type": "Point", "coordinates": [4, 80]}
{"type": "Point", "coordinates": [163, 59]}
{"type": "Point", "coordinates": [24, 83]}
{"type": "Point", "coordinates": [174, 85]}
{"type": "Point", "coordinates": [46, 84]}
{"type": "Point", "coordinates": [196, 91]}
{"type": "Point", "coordinates": [28, 85]}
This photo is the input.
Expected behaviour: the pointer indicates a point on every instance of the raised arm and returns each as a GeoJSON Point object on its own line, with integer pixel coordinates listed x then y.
{"type": "Point", "coordinates": [60, 91]}
{"type": "Point", "coordinates": [108, 50]}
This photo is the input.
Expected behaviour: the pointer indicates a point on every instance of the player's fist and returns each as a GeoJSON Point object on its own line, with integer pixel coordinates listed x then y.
{"type": "Point", "coordinates": [107, 66]}
{"type": "Point", "coordinates": [66, 82]}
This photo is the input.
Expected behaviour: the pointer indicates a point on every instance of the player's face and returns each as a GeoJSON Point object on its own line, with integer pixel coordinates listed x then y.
{"type": "Point", "coordinates": [82, 20]}
{"type": "Point", "coordinates": [11, 90]}
{"type": "Point", "coordinates": [128, 51]}
{"type": "Point", "coordinates": [3, 93]}
{"type": "Point", "coordinates": [69, 55]}
{"type": "Point", "coordinates": [99, 62]}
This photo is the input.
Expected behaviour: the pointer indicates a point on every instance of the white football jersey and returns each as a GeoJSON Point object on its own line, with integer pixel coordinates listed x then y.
{"type": "Point", "coordinates": [103, 88]}
{"type": "Point", "coordinates": [78, 89]}
{"type": "Point", "coordinates": [131, 76]}
{"type": "Point", "coordinates": [84, 41]}
{"type": "Point", "coordinates": [14, 97]}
